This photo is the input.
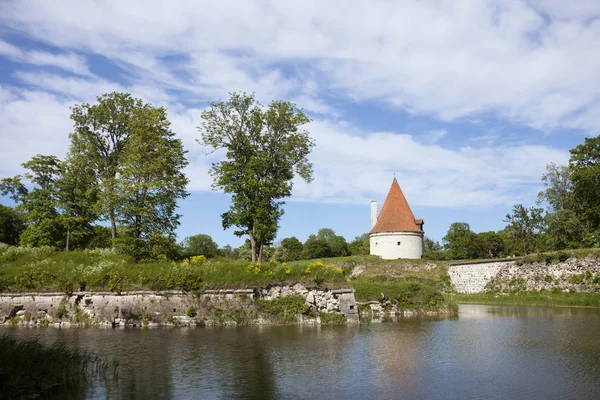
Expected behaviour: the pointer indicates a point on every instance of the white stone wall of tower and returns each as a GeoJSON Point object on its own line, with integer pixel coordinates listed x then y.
{"type": "Point", "coordinates": [385, 245]}
{"type": "Point", "coordinates": [373, 213]}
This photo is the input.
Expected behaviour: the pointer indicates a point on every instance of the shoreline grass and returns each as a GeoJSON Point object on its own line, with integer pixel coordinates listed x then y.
{"type": "Point", "coordinates": [542, 298]}
{"type": "Point", "coordinates": [30, 369]}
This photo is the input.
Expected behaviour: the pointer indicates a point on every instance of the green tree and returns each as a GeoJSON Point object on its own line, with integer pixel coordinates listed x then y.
{"type": "Point", "coordinates": [315, 247]}
{"type": "Point", "coordinates": [200, 244]}
{"type": "Point", "coordinates": [460, 242]}
{"type": "Point", "coordinates": [525, 227]}
{"type": "Point", "coordinates": [337, 244]}
{"type": "Point", "coordinates": [585, 176]}
{"type": "Point", "coordinates": [12, 223]}
{"type": "Point", "coordinates": [294, 248]}
{"type": "Point", "coordinates": [490, 241]}
{"type": "Point", "coordinates": [149, 184]}
{"type": "Point", "coordinates": [101, 132]}
{"type": "Point", "coordinates": [40, 204]}
{"type": "Point", "coordinates": [77, 196]}
{"type": "Point", "coordinates": [360, 246]}
{"type": "Point", "coordinates": [433, 250]}
{"type": "Point", "coordinates": [265, 148]}
{"type": "Point", "coordinates": [558, 192]}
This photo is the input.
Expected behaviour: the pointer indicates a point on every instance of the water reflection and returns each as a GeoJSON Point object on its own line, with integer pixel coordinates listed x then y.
{"type": "Point", "coordinates": [488, 352]}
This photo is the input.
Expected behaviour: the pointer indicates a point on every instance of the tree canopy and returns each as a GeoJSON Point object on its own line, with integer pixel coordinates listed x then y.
{"type": "Point", "coordinates": [265, 148]}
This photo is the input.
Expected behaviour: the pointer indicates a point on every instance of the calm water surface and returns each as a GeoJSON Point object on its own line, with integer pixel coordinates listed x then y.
{"type": "Point", "coordinates": [487, 352]}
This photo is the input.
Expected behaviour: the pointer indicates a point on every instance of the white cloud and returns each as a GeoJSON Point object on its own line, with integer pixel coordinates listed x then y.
{"type": "Point", "coordinates": [354, 169]}
{"type": "Point", "coordinates": [532, 62]}
{"type": "Point", "coordinates": [69, 62]}
{"type": "Point", "coordinates": [351, 165]}
{"type": "Point", "coordinates": [435, 135]}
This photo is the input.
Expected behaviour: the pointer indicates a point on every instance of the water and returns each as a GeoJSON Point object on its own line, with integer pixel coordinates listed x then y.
{"type": "Point", "coordinates": [492, 352]}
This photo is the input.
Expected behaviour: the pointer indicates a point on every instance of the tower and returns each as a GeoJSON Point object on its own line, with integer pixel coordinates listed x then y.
{"type": "Point", "coordinates": [396, 233]}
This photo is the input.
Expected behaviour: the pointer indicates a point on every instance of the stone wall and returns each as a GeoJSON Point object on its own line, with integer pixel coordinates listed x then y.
{"type": "Point", "coordinates": [572, 275]}
{"type": "Point", "coordinates": [168, 308]}
{"type": "Point", "coordinates": [472, 278]}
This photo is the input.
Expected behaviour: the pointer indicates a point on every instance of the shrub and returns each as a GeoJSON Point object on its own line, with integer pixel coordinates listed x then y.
{"type": "Point", "coordinates": [562, 257]}
{"type": "Point", "coordinates": [285, 309]}
{"type": "Point", "coordinates": [576, 279]}
{"type": "Point", "coordinates": [191, 312]}
{"type": "Point", "coordinates": [61, 312]}
{"type": "Point", "coordinates": [115, 282]}
{"type": "Point", "coordinates": [332, 318]}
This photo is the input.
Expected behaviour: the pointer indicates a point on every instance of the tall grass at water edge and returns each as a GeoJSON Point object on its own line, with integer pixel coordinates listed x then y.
{"type": "Point", "coordinates": [30, 369]}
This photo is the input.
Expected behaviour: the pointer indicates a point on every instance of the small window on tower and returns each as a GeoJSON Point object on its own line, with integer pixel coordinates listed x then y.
{"type": "Point", "coordinates": [398, 243]}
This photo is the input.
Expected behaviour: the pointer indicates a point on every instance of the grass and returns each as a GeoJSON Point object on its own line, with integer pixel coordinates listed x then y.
{"type": "Point", "coordinates": [553, 257]}
{"type": "Point", "coordinates": [30, 369]}
{"type": "Point", "coordinates": [43, 269]}
{"type": "Point", "coordinates": [406, 294]}
{"type": "Point", "coordinates": [541, 298]}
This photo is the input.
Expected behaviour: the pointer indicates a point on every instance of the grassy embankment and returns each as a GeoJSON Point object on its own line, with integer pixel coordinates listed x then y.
{"type": "Point", "coordinates": [30, 369]}
{"type": "Point", "coordinates": [402, 282]}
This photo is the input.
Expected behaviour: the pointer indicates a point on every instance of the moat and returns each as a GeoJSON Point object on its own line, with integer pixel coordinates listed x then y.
{"type": "Point", "coordinates": [485, 352]}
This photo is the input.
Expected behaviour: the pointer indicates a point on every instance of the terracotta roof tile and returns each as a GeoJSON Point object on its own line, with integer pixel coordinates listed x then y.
{"type": "Point", "coordinates": [395, 215]}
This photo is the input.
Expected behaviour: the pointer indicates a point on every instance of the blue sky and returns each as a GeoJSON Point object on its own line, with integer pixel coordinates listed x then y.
{"type": "Point", "coordinates": [465, 101]}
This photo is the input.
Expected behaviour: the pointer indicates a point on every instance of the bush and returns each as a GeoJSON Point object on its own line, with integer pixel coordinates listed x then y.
{"type": "Point", "coordinates": [332, 318]}
{"type": "Point", "coordinates": [62, 312]}
{"type": "Point", "coordinates": [284, 309]}
{"type": "Point", "coordinates": [191, 312]}
{"type": "Point", "coordinates": [576, 279]}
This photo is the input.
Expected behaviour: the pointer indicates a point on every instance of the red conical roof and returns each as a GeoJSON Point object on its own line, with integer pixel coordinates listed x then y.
{"type": "Point", "coordinates": [395, 215]}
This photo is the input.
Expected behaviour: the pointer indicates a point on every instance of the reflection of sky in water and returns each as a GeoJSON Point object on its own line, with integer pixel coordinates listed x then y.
{"type": "Point", "coordinates": [487, 352]}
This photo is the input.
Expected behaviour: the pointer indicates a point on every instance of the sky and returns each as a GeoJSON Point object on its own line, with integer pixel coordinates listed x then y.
{"type": "Point", "coordinates": [465, 101]}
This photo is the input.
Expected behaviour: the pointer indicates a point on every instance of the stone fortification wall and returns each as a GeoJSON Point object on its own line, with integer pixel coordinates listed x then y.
{"type": "Point", "coordinates": [168, 308]}
{"type": "Point", "coordinates": [572, 275]}
{"type": "Point", "coordinates": [472, 278]}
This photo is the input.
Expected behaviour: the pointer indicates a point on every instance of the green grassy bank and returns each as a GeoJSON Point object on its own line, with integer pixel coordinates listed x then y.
{"type": "Point", "coordinates": [411, 284]}
{"type": "Point", "coordinates": [542, 298]}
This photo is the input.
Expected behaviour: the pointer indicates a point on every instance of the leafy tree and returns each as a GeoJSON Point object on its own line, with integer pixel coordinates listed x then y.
{"type": "Point", "coordinates": [585, 176]}
{"type": "Point", "coordinates": [360, 246]}
{"type": "Point", "coordinates": [12, 223]}
{"type": "Point", "coordinates": [565, 222]}
{"type": "Point", "coordinates": [200, 244]}
{"type": "Point", "coordinates": [99, 237]}
{"type": "Point", "coordinates": [337, 244]}
{"type": "Point", "coordinates": [294, 248]}
{"type": "Point", "coordinates": [265, 148]}
{"type": "Point", "coordinates": [77, 194]}
{"type": "Point", "coordinates": [460, 242]}
{"type": "Point", "coordinates": [226, 251]}
{"type": "Point", "coordinates": [433, 250]}
{"type": "Point", "coordinates": [40, 204]}
{"type": "Point", "coordinates": [315, 247]}
{"type": "Point", "coordinates": [101, 132]}
{"type": "Point", "coordinates": [150, 182]}
{"type": "Point", "coordinates": [525, 226]}
{"type": "Point", "coordinates": [558, 193]}
{"type": "Point", "coordinates": [490, 241]}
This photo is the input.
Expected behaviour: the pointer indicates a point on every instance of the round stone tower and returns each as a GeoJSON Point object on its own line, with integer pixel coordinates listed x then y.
{"type": "Point", "coordinates": [395, 233]}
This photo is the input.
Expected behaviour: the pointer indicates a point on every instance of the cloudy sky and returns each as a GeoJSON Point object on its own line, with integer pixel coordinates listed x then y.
{"type": "Point", "coordinates": [465, 101]}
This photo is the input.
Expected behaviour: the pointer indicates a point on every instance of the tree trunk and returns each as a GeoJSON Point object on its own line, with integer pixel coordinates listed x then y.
{"type": "Point", "coordinates": [253, 247]}
{"type": "Point", "coordinates": [113, 225]}
{"type": "Point", "coordinates": [260, 252]}
{"type": "Point", "coordinates": [68, 237]}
